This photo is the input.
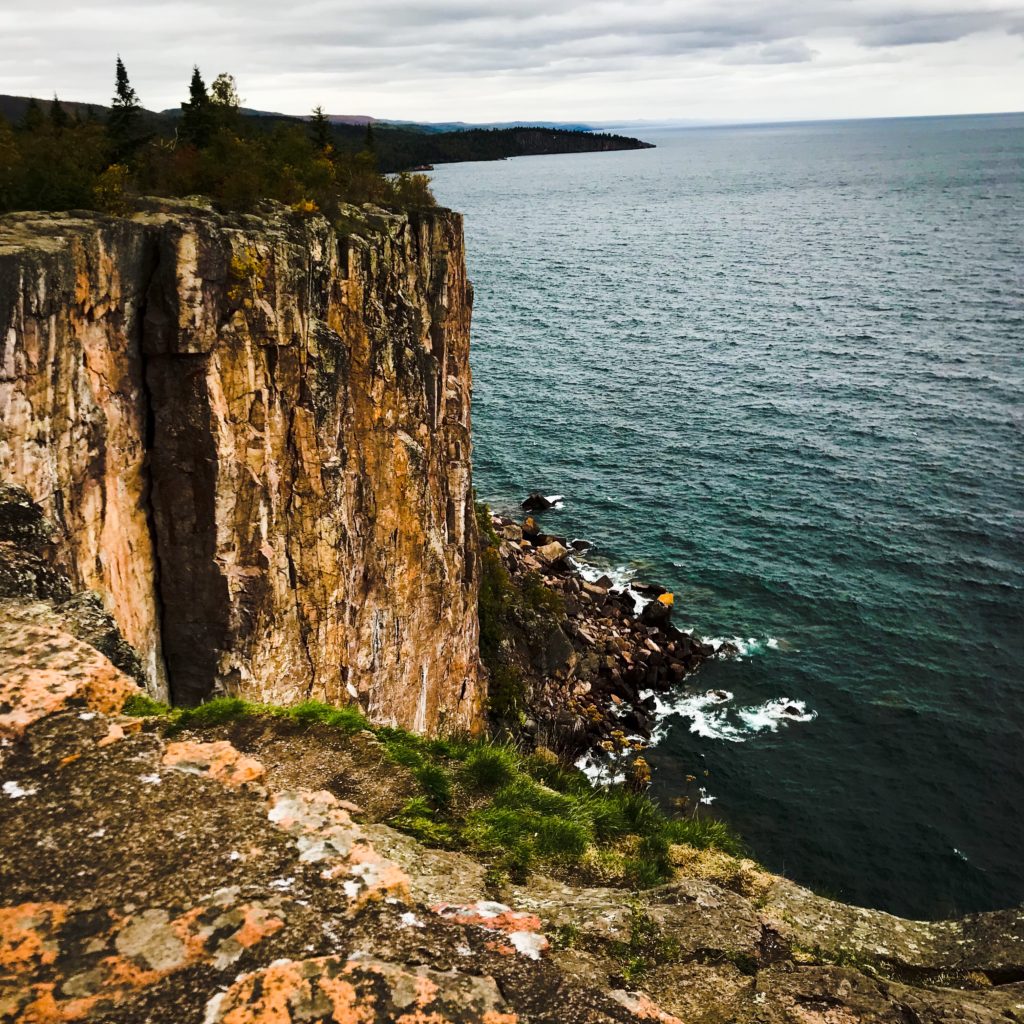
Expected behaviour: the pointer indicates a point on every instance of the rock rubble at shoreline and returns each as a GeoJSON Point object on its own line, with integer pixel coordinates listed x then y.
{"type": "Point", "coordinates": [611, 653]}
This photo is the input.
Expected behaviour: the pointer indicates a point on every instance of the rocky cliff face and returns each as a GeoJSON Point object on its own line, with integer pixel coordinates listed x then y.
{"type": "Point", "coordinates": [252, 437]}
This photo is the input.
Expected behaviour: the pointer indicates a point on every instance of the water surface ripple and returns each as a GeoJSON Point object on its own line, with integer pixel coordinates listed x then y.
{"type": "Point", "coordinates": [780, 369]}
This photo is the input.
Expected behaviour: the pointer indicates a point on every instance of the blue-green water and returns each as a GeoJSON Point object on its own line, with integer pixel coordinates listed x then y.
{"type": "Point", "coordinates": [780, 370]}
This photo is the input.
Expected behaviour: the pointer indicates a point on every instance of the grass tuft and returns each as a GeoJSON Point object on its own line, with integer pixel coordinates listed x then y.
{"type": "Point", "coordinates": [489, 767]}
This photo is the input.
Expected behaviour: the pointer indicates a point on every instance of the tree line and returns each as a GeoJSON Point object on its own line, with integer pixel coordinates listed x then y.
{"type": "Point", "coordinates": [56, 160]}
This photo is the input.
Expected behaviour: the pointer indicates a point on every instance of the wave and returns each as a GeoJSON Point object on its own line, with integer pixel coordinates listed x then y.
{"type": "Point", "coordinates": [713, 715]}
{"type": "Point", "coordinates": [738, 647]}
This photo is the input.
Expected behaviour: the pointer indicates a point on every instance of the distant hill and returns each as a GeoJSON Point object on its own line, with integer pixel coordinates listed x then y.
{"type": "Point", "coordinates": [399, 145]}
{"type": "Point", "coordinates": [423, 126]}
{"type": "Point", "coordinates": [12, 108]}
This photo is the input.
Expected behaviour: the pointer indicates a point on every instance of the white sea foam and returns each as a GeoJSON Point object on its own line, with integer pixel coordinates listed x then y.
{"type": "Point", "coordinates": [620, 575]}
{"type": "Point", "coordinates": [557, 500]}
{"type": "Point", "coordinates": [601, 772]}
{"type": "Point", "coordinates": [744, 647]}
{"type": "Point", "coordinates": [713, 716]}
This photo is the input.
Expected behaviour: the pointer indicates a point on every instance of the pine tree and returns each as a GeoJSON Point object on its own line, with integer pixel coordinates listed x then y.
{"type": "Point", "coordinates": [125, 114]}
{"type": "Point", "coordinates": [320, 129]}
{"type": "Point", "coordinates": [58, 115]}
{"type": "Point", "coordinates": [370, 145]}
{"type": "Point", "coordinates": [196, 121]}
{"type": "Point", "coordinates": [32, 120]}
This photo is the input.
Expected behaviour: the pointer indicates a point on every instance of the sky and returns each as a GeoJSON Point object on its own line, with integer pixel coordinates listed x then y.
{"type": "Point", "coordinates": [556, 60]}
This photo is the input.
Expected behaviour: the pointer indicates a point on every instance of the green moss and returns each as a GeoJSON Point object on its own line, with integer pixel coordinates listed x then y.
{"type": "Point", "coordinates": [706, 833]}
{"type": "Point", "coordinates": [417, 819]}
{"type": "Point", "coordinates": [489, 767]}
{"type": "Point", "coordinates": [348, 718]}
{"type": "Point", "coordinates": [141, 706]}
{"type": "Point", "coordinates": [510, 611]}
{"type": "Point", "coordinates": [484, 525]}
{"type": "Point", "coordinates": [564, 936]}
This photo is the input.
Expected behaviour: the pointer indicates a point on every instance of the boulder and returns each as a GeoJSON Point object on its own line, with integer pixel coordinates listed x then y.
{"type": "Point", "coordinates": [536, 502]}
{"type": "Point", "coordinates": [656, 613]}
{"type": "Point", "coordinates": [552, 553]}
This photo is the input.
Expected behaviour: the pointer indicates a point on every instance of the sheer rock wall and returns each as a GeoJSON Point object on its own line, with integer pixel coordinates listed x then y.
{"type": "Point", "coordinates": [251, 434]}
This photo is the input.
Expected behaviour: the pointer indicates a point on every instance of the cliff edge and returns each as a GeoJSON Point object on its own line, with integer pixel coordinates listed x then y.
{"type": "Point", "coordinates": [251, 434]}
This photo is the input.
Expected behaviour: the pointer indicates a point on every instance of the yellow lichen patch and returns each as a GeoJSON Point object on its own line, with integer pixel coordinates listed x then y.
{"type": "Point", "coordinates": [246, 272]}
{"type": "Point", "coordinates": [742, 875]}
{"type": "Point", "coordinates": [220, 760]}
{"type": "Point", "coordinates": [44, 670]}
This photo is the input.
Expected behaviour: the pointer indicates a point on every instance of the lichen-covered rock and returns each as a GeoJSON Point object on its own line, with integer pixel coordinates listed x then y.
{"type": "Point", "coordinates": [44, 669]}
{"type": "Point", "coordinates": [358, 991]}
{"type": "Point", "coordinates": [252, 438]}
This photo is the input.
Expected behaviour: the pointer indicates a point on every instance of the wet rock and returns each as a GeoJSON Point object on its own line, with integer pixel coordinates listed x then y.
{"type": "Point", "coordinates": [536, 502]}
{"type": "Point", "coordinates": [656, 613]}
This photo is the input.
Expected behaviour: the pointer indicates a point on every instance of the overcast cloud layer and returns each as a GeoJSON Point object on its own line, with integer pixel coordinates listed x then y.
{"type": "Point", "coordinates": [476, 60]}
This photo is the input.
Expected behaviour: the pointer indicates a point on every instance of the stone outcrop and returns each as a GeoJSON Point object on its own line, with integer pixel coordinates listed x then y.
{"type": "Point", "coordinates": [251, 436]}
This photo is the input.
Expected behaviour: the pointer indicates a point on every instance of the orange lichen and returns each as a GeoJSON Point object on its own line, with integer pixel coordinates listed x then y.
{"type": "Point", "coordinates": [44, 670]}
{"type": "Point", "coordinates": [257, 925]}
{"type": "Point", "coordinates": [644, 1008]}
{"type": "Point", "coordinates": [114, 733]}
{"type": "Point", "coordinates": [503, 920]}
{"type": "Point", "coordinates": [426, 990]}
{"type": "Point", "coordinates": [278, 986]}
{"type": "Point", "coordinates": [345, 1002]}
{"type": "Point", "coordinates": [219, 759]}
{"type": "Point", "coordinates": [28, 934]}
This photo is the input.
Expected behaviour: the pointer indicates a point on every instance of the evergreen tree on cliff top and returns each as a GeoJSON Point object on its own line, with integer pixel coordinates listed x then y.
{"type": "Point", "coordinates": [58, 115]}
{"type": "Point", "coordinates": [32, 120]}
{"type": "Point", "coordinates": [197, 114]}
{"type": "Point", "coordinates": [320, 129]}
{"type": "Point", "coordinates": [123, 123]}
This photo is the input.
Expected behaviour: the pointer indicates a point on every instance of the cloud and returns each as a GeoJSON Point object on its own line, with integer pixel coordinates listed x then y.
{"type": "Point", "coordinates": [784, 51]}
{"type": "Point", "coordinates": [465, 58]}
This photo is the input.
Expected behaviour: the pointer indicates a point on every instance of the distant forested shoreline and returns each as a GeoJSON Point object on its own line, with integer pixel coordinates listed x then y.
{"type": "Point", "coordinates": [57, 154]}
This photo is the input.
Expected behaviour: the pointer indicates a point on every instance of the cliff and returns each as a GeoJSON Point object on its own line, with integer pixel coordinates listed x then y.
{"type": "Point", "coordinates": [252, 437]}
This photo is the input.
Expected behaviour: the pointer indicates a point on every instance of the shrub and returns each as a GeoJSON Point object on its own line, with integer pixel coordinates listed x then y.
{"type": "Point", "coordinates": [111, 191]}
